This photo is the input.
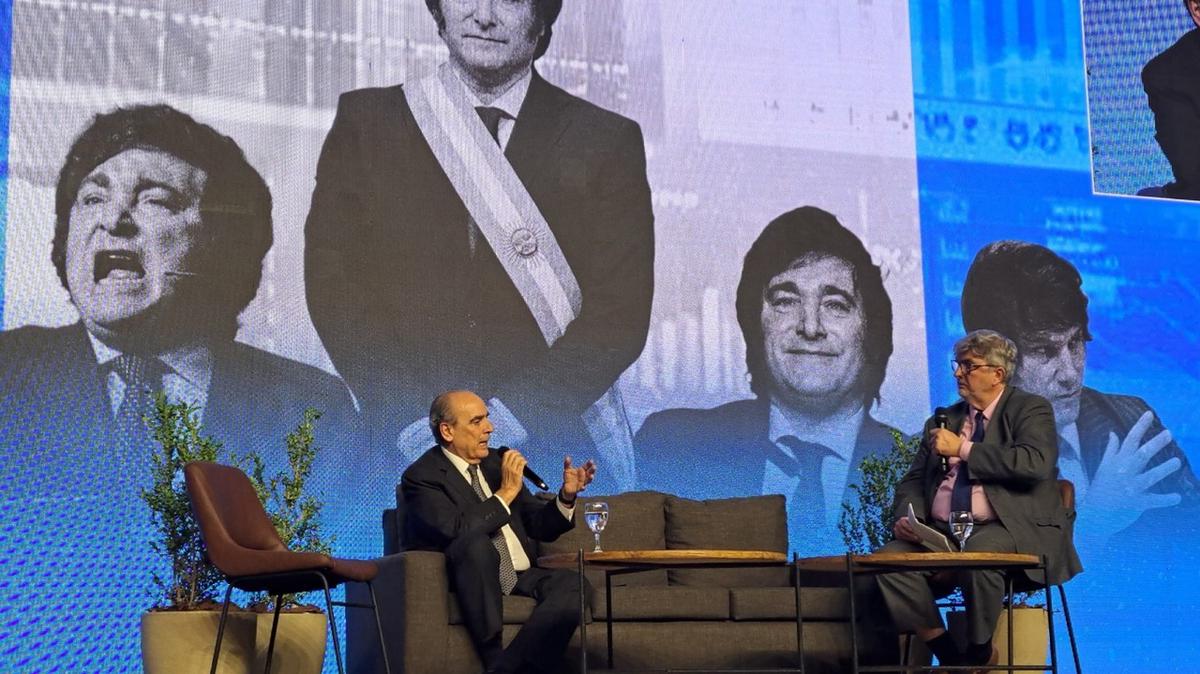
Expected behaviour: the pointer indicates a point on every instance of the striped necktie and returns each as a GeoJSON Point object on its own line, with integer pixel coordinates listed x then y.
{"type": "Point", "coordinates": [508, 572]}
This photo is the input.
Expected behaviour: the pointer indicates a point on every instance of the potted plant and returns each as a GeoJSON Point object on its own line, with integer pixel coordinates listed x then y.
{"type": "Point", "coordinates": [300, 638]}
{"type": "Point", "coordinates": [178, 633]}
{"type": "Point", "coordinates": [866, 522]}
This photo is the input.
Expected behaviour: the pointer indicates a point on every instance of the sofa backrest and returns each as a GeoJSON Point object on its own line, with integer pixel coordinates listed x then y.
{"type": "Point", "coordinates": [636, 521]}
{"type": "Point", "coordinates": [748, 523]}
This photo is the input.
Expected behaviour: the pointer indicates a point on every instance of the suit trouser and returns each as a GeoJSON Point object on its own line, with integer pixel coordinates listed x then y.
{"type": "Point", "coordinates": [473, 565]}
{"type": "Point", "coordinates": [912, 604]}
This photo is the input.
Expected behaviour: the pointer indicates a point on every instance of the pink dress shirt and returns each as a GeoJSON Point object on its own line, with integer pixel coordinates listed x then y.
{"type": "Point", "coordinates": [981, 508]}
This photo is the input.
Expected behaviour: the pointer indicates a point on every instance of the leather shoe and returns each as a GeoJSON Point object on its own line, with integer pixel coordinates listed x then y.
{"type": "Point", "coordinates": [993, 659]}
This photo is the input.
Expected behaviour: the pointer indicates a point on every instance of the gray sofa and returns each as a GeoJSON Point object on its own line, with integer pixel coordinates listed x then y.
{"type": "Point", "coordinates": [685, 618]}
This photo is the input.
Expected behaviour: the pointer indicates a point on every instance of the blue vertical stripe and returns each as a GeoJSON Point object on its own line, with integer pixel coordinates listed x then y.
{"type": "Point", "coordinates": [932, 50]}
{"type": "Point", "coordinates": [5, 71]}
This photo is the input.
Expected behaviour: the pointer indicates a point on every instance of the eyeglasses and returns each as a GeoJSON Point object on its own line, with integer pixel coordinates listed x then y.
{"type": "Point", "coordinates": [967, 366]}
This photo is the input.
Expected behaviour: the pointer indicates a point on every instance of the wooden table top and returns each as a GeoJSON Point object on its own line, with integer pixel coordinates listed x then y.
{"type": "Point", "coordinates": [654, 558]}
{"type": "Point", "coordinates": [922, 560]}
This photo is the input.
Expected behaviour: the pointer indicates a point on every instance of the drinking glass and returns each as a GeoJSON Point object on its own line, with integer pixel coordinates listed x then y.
{"type": "Point", "coordinates": [596, 516]}
{"type": "Point", "coordinates": [961, 525]}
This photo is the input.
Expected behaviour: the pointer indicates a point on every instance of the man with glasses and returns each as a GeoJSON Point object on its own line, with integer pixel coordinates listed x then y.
{"type": "Point", "coordinates": [1000, 453]}
{"type": "Point", "coordinates": [1132, 479]}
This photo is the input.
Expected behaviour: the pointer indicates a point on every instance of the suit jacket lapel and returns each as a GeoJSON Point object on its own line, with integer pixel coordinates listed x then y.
{"type": "Point", "coordinates": [79, 365]}
{"type": "Point", "coordinates": [538, 128]}
{"type": "Point", "coordinates": [459, 488]}
{"type": "Point", "coordinates": [997, 427]}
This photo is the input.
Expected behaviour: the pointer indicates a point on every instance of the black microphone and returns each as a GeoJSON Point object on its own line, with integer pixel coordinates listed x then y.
{"type": "Point", "coordinates": [529, 474]}
{"type": "Point", "coordinates": [940, 420]}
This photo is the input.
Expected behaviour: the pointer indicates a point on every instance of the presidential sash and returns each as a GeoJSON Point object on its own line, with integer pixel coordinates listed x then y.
{"type": "Point", "coordinates": [515, 228]}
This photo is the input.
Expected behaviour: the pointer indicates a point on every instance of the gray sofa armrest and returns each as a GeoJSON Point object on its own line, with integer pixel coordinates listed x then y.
{"type": "Point", "coordinates": [412, 590]}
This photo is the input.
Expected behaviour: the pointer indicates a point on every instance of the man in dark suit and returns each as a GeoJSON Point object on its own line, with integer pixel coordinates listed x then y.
{"type": "Point", "coordinates": [409, 294]}
{"type": "Point", "coordinates": [1172, 84]}
{"type": "Point", "coordinates": [1131, 478]}
{"type": "Point", "coordinates": [161, 230]}
{"type": "Point", "coordinates": [1000, 466]}
{"type": "Point", "coordinates": [817, 323]}
{"type": "Point", "coordinates": [469, 501]}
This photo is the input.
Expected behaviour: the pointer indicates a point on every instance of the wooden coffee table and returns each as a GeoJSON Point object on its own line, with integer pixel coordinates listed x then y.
{"type": "Point", "coordinates": [617, 562]}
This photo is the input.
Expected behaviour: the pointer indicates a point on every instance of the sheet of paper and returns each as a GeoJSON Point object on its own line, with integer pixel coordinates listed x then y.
{"type": "Point", "coordinates": [930, 537]}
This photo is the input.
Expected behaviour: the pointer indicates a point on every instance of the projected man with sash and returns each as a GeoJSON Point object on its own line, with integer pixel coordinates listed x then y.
{"type": "Point", "coordinates": [161, 230]}
{"type": "Point", "coordinates": [1130, 475]}
{"type": "Point", "coordinates": [818, 328]}
{"type": "Point", "coordinates": [481, 228]}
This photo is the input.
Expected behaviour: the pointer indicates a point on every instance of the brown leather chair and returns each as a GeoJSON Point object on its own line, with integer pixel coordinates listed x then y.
{"type": "Point", "coordinates": [243, 544]}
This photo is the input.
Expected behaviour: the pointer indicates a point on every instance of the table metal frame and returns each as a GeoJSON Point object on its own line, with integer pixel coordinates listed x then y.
{"type": "Point", "coordinates": [691, 559]}
{"type": "Point", "coordinates": [953, 561]}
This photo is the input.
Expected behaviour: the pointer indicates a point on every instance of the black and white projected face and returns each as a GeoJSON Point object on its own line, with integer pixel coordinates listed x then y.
{"type": "Point", "coordinates": [488, 38]}
{"type": "Point", "coordinates": [1051, 364]}
{"type": "Point", "coordinates": [813, 327]}
{"type": "Point", "coordinates": [136, 217]}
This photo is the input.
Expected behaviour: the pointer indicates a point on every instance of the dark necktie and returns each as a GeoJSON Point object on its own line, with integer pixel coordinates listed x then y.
{"type": "Point", "coordinates": [960, 498]}
{"type": "Point", "coordinates": [143, 378]}
{"type": "Point", "coordinates": [491, 119]}
{"type": "Point", "coordinates": [806, 507]}
{"type": "Point", "coordinates": [508, 572]}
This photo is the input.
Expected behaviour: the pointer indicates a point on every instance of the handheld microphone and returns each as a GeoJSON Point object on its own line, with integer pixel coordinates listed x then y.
{"type": "Point", "coordinates": [940, 420]}
{"type": "Point", "coordinates": [529, 474]}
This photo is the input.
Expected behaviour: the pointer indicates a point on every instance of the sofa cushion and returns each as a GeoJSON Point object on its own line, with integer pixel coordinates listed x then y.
{"type": "Point", "coordinates": [516, 609]}
{"type": "Point", "coordinates": [636, 522]}
{"type": "Point", "coordinates": [779, 603]}
{"type": "Point", "coordinates": [750, 523]}
{"type": "Point", "coordinates": [662, 603]}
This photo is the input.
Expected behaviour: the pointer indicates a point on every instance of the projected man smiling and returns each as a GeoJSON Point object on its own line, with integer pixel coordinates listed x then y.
{"type": "Point", "coordinates": [817, 323]}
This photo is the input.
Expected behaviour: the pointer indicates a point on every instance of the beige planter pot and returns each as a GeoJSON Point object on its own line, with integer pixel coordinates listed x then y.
{"type": "Point", "coordinates": [182, 641]}
{"type": "Point", "coordinates": [1031, 637]}
{"type": "Point", "coordinates": [299, 643]}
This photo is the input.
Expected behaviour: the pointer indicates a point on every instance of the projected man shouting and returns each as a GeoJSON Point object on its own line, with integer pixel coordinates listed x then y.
{"type": "Point", "coordinates": [481, 228]}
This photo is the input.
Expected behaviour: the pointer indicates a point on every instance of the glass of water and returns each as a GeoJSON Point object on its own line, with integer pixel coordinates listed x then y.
{"type": "Point", "coordinates": [596, 516]}
{"type": "Point", "coordinates": [961, 525]}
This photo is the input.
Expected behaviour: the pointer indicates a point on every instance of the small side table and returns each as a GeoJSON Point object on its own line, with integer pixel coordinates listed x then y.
{"type": "Point", "coordinates": [617, 562]}
{"type": "Point", "coordinates": [895, 562]}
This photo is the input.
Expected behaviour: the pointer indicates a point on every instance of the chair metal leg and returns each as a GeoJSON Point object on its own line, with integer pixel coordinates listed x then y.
{"type": "Point", "coordinates": [221, 629]}
{"type": "Point", "coordinates": [1008, 592]}
{"type": "Point", "coordinates": [1049, 616]}
{"type": "Point", "coordinates": [337, 650]}
{"type": "Point", "coordinates": [274, 626]}
{"type": "Point", "coordinates": [1070, 630]}
{"type": "Point", "coordinates": [387, 667]}
{"type": "Point", "coordinates": [799, 610]}
{"type": "Point", "coordinates": [853, 612]}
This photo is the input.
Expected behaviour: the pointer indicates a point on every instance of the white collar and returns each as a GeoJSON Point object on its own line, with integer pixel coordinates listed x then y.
{"type": "Point", "coordinates": [193, 363]}
{"type": "Point", "coordinates": [510, 101]}
{"type": "Point", "coordinates": [839, 434]}
{"type": "Point", "coordinates": [459, 463]}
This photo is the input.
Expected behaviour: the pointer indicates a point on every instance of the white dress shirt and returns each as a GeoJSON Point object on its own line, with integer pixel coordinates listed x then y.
{"type": "Point", "coordinates": [839, 435]}
{"type": "Point", "coordinates": [515, 550]}
{"type": "Point", "coordinates": [189, 373]}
